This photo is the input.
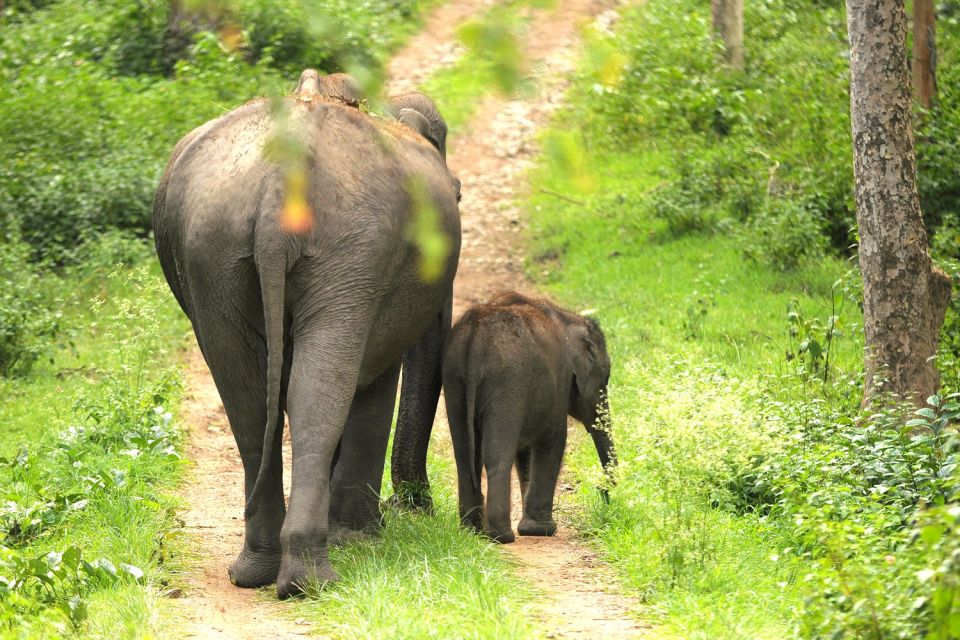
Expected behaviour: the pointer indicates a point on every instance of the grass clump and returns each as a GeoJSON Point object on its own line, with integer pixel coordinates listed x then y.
{"type": "Point", "coordinates": [424, 577]}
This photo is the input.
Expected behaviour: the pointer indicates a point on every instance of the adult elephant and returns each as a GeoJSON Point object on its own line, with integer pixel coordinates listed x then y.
{"type": "Point", "coordinates": [314, 322]}
{"type": "Point", "coordinates": [421, 379]}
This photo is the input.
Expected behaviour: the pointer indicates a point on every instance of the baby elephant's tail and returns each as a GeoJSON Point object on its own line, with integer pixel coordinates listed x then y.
{"type": "Point", "coordinates": [471, 391]}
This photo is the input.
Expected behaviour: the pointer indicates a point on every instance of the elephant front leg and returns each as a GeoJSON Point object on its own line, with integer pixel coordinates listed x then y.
{"type": "Point", "coordinates": [323, 381]}
{"type": "Point", "coordinates": [358, 470]}
{"type": "Point", "coordinates": [419, 394]}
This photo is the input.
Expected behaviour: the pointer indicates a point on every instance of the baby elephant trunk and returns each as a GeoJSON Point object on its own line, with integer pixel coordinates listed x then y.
{"type": "Point", "coordinates": [600, 432]}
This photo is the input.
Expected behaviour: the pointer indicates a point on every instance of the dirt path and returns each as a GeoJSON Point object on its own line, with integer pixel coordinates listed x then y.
{"type": "Point", "coordinates": [212, 606]}
{"type": "Point", "coordinates": [490, 161]}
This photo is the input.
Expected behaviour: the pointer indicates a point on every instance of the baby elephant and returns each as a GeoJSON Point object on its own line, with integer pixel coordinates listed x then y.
{"type": "Point", "coordinates": [513, 370]}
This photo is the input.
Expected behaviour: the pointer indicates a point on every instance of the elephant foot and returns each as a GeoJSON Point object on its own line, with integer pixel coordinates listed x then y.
{"type": "Point", "coordinates": [254, 569]}
{"type": "Point", "coordinates": [473, 520]}
{"type": "Point", "coordinates": [297, 573]}
{"type": "Point", "coordinates": [503, 537]}
{"type": "Point", "coordinates": [531, 527]}
{"type": "Point", "coordinates": [410, 496]}
{"type": "Point", "coordinates": [340, 536]}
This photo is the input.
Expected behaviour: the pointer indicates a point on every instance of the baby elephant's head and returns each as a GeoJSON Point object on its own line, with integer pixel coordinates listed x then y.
{"type": "Point", "coordinates": [588, 393]}
{"type": "Point", "coordinates": [591, 370]}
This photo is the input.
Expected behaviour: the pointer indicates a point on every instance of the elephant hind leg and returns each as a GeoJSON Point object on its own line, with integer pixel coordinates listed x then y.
{"type": "Point", "coordinates": [501, 433]}
{"type": "Point", "coordinates": [523, 470]}
{"type": "Point", "coordinates": [358, 469]}
{"type": "Point", "coordinates": [236, 357]}
{"type": "Point", "coordinates": [323, 381]}
{"type": "Point", "coordinates": [470, 497]}
{"type": "Point", "coordinates": [546, 458]}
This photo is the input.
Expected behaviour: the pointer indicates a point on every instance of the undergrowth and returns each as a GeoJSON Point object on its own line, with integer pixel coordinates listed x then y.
{"type": "Point", "coordinates": [425, 576]}
{"type": "Point", "coordinates": [707, 219]}
{"type": "Point", "coordinates": [88, 464]}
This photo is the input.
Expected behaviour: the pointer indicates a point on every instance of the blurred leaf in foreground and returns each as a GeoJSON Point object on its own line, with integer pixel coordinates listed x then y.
{"type": "Point", "coordinates": [495, 39]}
{"type": "Point", "coordinates": [605, 64]}
{"type": "Point", "coordinates": [568, 160]}
{"type": "Point", "coordinates": [286, 149]}
{"type": "Point", "coordinates": [425, 233]}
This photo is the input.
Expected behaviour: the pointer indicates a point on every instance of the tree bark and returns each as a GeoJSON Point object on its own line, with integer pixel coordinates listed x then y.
{"type": "Point", "coordinates": [924, 52]}
{"type": "Point", "coordinates": [728, 24]}
{"type": "Point", "coordinates": [905, 295]}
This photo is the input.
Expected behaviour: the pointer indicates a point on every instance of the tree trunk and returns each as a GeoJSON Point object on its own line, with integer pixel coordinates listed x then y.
{"type": "Point", "coordinates": [924, 52]}
{"type": "Point", "coordinates": [905, 295]}
{"type": "Point", "coordinates": [728, 24]}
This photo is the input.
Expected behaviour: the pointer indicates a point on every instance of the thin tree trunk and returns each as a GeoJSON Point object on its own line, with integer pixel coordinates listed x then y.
{"type": "Point", "coordinates": [924, 52]}
{"type": "Point", "coordinates": [728, 24]}
{"type": "Point", "coordinates": [905, 295]}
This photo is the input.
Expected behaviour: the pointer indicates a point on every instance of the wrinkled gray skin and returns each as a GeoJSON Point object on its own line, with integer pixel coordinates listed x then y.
{"type": "Point", "coordinates": [420, 384]}
{"type": "Point", "coordinates": [421, 381]}
{"type": "Point", "coordinates": [513, 370]}
{"type": "Point", "coordinates": [315, 323]}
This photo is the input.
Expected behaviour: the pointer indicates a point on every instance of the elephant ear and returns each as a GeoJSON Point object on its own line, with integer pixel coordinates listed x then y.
{"type": "Point", "coordinates": [588, 358]}
{"type": "Point", "coordinates": [416, 121]}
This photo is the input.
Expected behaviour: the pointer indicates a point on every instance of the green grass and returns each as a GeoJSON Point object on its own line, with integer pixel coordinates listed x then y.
{"type": "Point", "coordinates": [425, 577]}
{"type": "Point", "coordinates": [90, 464]}
{"type": "Point", "coordinates": [698, 335]}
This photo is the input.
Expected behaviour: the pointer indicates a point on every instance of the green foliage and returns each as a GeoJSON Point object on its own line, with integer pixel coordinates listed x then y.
{"type": "Point", "coordinates": [938, 144]}
{"type": "Point", "coordinates": [29, 319]}
{"type": "Point", "coordinates": [82, 151]}
{"type": "Point", "coordinates": [93, 96]}
{"type": "Point", "coordinates": [752, 147]}
{"type": "Point", "coordinates": [332, 35]}
{"type": "Point", "coordinates": [812, 338]}
{"type": "Point", "coordinates": [85, 500]}
{"type": "Point", "coordinates": [937, 536]}
{"type": "Point", "coordinates": [853, 489]}
{"type": "Point", "coordinates": [785, 234]}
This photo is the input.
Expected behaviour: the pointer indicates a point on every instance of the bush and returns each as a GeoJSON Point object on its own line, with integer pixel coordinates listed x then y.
{"type": "Point", "coordinates": [29, 321]}
{"type": "Point", "coordinates": [94, 96]}
{"type": "Point", "coordinates": [938, 146]}
{"type": "Point", "coordinates": [858, 492]}
{"type": "Point", "coordinates": [86, 508]}
{"type": "Point", "coordinates": [785, 234]}
{"type": "Point", "coordinates": [71, 173]}
{"type": "Point", "coordinates": [743, 144]}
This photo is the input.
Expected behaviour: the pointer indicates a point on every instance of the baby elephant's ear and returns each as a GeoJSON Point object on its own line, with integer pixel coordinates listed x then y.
{"type": "Point", "coordinates": [585, 358]}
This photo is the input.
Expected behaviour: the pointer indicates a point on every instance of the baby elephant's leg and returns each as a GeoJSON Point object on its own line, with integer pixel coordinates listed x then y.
{"type": "Point", "coordinates": [470, 498]}
{"type": "Point", "coordinates": [501, 433]}
{"type": "Point", "coordinates": [546, 458]}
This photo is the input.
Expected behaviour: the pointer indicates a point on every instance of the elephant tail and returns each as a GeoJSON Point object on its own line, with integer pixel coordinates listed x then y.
{"type": "Point", "coordinates": [471, 388]}
{"type": "Point", "coordinates": [272, 285]}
